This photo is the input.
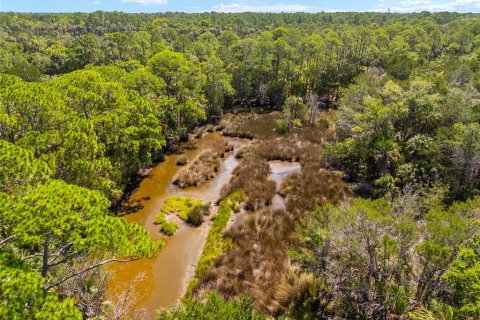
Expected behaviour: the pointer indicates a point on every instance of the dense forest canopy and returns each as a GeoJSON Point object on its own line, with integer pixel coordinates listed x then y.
{"type": "Point", "coordinates": [89, 99]}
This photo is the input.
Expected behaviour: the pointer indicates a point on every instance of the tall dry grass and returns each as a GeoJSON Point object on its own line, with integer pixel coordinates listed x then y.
{"type": "Point", "coordinates": [257, 264]}
{"type": "Point", "coordinates": [204, 167]}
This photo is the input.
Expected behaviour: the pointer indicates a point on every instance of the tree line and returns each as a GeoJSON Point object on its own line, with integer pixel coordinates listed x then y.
{"type": "Point", "coordinates": [87, 100]}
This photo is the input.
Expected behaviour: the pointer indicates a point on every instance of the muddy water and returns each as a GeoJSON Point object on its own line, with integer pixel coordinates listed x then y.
{"type": "Point", "coordinates": [166, 277]}
{"type": "Point", "coordinates": [278, 171]}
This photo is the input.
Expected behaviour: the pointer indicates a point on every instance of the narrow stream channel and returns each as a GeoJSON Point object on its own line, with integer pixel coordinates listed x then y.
{"type": "Point", "coordinates": [278, 171]}
{"type": "Point", "coordinates": [166, 277]}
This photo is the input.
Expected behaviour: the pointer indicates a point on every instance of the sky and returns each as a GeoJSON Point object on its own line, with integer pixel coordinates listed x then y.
{"type": "Point", "coordinates": [238, 5]}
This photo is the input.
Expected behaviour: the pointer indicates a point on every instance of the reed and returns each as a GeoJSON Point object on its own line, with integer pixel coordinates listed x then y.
{"type": "Point", "coordinates": [203, 168]}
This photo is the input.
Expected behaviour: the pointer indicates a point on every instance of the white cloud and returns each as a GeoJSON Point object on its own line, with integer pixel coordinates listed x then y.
{"type": "Point", "coordinates": [428, 5]}
{"type": "Point", "coordinates": [149, 2]}
{"type": "Point", "coordinates": [246, 7]}
{"type": "Point", "coordinates": [96, 2]}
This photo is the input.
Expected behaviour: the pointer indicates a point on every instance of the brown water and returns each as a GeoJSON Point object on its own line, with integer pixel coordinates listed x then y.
{"type": "Point", "coordinates": [278, 171]}
{"type": "Point", "coordinates": [167, 275]}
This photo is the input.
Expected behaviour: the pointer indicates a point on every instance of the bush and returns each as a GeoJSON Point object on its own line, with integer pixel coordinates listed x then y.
{"type": "Point", "coordinates": [181, 206]}
{"type": "Point", "coordinates": [168, 228]}
{"type": "Point", "coordinates": [297, 123]}
{"type": "Point", "coordinates": [195, 216]}
{"type": "Point", "coordinates": [281, 127]}
{"type": "Point", "coordinates": [182, 160]}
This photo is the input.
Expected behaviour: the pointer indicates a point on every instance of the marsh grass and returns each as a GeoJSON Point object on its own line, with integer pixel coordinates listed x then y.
{"type": "Point", "coordinates": [181, 206]}
{"type": "Point", "coordinates": [249, 126]}
{"type": "Point", "coordinates": [203, 168]}
{"type": "Point", "coordinates": [181, 160]}
{"type": "Point", "coordinates": [251, 176]}
{"type": "Point", "coordinates": [256, 262]}
{"type": "Point", "coordinates": [166, 227]}
{"type": "Point", "coordinates": [184, 147]}
{"type": "Point", "coordinates": [216, 243]}
{"type": "Point", "coordinates": [311, 187]}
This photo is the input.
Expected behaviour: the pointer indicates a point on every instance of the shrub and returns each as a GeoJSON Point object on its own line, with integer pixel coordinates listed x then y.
{"type": "Point", "coordinates": [168, 228]}
{"type": "Point", "coordinates": [195, 216]}
{"type": "Point", "coordinates": [281, 127]}
{"type": "Point", "coordinates": [297, 123]}
{"type": "Point", "coordinates": [182, 160]}
{"type": "Point", "coordinates": [182, 206]}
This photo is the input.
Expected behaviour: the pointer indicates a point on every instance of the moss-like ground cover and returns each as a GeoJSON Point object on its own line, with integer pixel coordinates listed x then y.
{"type": "Point", "coordinates": [181, 206]}
{"type": "Point", "coordinates": [168, 228]}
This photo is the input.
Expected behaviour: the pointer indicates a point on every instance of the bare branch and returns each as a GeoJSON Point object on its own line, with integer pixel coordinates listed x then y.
{"type": "Point", "coordinates": [85, 270]}
{"type": "Point", "coordinates": [35, 255]}
{"type": "Point", "coordinates": [3, 241]}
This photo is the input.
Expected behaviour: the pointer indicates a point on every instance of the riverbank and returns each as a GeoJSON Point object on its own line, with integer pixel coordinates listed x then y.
{"type": "Point", "coordinates": [167, 275]}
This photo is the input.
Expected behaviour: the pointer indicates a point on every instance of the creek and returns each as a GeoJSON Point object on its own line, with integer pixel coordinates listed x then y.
{"type": "Point", "coordinates": [166, 277]}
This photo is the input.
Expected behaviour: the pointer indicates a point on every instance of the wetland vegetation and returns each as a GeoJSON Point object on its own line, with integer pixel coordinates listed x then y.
{"type": "Point", "coordinates": [240, 166]}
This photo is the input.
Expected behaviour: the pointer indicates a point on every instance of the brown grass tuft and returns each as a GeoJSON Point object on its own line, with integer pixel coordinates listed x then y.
{"type": "Point", "coordinates": [257, 263]}
{"type": "Point", "coordinates": [203, 168]}
{"type": "Point", "coordinates": [182, 160]}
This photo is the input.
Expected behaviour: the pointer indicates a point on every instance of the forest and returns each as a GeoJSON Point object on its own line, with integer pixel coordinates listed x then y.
{"type": "Point", "coordinates": [328, 164]}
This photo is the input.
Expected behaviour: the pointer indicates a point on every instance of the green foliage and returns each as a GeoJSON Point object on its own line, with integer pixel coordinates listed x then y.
{"type": "Point", "coordinates": [56, 214]}
{"type": "Point", "coordinates": [168, 228]}
{"type": "Point", "coordinates": [23, 297]}
{"type": "Point", "coordinates": [19, 169]}
{"type": "Point", "coordinates": [281, 126]}
{"type": "Point", "coordinates": [195, 216]}
{"type": "Point", "coordinates": [107, 90]}
{"type": "Point", "coordinates": [392, 134]}
{"type": "Point", "coordinates": [380, 253]}
{"type": "Point", "coordinates": [214, 308]}
{"type": "Point", "coordinates": [463, 276]}
{"type": "Point", "coordinates": [181, 206]}
{"type": "Point", "coordinates": [216, 243]}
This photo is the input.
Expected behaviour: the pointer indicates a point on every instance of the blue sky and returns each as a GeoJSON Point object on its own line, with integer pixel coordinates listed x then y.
{"type": "Point", "coordinates": [238, 5]}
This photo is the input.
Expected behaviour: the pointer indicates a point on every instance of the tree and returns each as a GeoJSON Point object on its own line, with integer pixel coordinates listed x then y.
{"type": "Point", "coordinates": [23, 297]}
{"type": "Point", "coordinates": [214, 308]}
{"type": "Point", "coordinates": [462, 145]}
{"type": "Point", "coordinates": [57, 223]}
{"type": "Point", "coordinates": [19, 169]}
{"type": "Point", "coordinates": [83, 50]}
{"type": "Point", "coordinates": [464, 280]}
{"type": "Point", "coordinates": [182, 77]}
{"type": "Point", "coordinates": [375, 258]}
{"type": "Point", "coordinates": [217, 86]}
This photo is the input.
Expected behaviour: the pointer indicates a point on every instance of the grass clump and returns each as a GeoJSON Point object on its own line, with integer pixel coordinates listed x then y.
{"type": "Point", "coordinates": [250, 126]}
{"type": "Point", "coordinates": [184, 147]}
{"type": "Point", "coordinates": [196, 215]}
{"type": "Point", "coordinates": [203, 168]}
{"type": "Point", "coordinates": [182, 160]}
{"type": "Point", "coordinates": [216, 243]}
{"type": "Point", "coordinates": [182, 206]}
{"type": "Point", "coordinates": [167, 228]}
{"type": "Point", "coordinates": [189, 210]}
